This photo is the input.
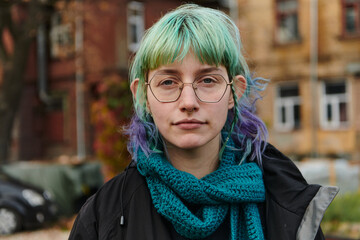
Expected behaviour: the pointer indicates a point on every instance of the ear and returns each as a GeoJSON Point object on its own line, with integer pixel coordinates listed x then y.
{"type": "Point", "coordinates": [240, 86]}
{"type": "Point", "coordinates": [133, 87]}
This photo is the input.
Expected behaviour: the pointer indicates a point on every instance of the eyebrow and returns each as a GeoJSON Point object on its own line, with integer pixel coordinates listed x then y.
{"type": "Point", "coordinates": [168, 71]}
{"type": "Point", "coordinates": [208, 70]}
{"type": "Point", "coordinates": [200, 71]}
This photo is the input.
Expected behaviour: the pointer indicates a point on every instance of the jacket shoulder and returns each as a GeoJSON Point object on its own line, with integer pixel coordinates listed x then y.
{"type": "Point", "coordinates": [294, 208]}
{"type": "Point", "coordinates": [107, 205]}
{"type": "Point", "coordinates": [284, 182]}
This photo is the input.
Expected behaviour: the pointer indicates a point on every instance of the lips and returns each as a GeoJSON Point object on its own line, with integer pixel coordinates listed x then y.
{"type": "Point", "coordinates": [189, 124]}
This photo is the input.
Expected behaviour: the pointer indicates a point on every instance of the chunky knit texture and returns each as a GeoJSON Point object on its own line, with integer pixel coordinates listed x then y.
{"type": "Point", "coordinates": [231, 188]}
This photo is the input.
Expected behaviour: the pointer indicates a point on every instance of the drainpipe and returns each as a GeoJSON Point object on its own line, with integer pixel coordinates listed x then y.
{"type": "Point", "coordinates": [41, 65]}
{"type": "Point", "coordinates": [79, 65]}
{"type": "Point", "coordinates": [313, 74]}
{"type": "Point", "coordinates": [234, 10]}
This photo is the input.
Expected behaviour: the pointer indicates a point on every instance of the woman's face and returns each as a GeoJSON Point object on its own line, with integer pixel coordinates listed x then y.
{"type": "Point", "coordinates": [189, 123]}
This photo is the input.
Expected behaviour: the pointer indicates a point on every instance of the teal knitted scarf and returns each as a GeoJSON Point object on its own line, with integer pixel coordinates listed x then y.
{"type": "Point", "coordinates": [232, 188]}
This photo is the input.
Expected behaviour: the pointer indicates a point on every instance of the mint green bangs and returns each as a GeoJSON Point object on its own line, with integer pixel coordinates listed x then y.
{"type": "Point", "coordinates": [209, 33]}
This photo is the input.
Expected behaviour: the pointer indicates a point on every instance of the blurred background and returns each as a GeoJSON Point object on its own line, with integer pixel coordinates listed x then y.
{"type": "Point", "coordinates": [64, 96]}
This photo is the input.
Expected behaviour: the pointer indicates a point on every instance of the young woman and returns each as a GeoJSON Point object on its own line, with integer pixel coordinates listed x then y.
{"type": "Point", "coordinates": [202, 168]}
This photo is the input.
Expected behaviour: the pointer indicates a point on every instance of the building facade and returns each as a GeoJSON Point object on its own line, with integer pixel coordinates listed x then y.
{"type": "Point", "coordinates": [85, 43]}
{"type": "Point", "coordinates": [310, 50]}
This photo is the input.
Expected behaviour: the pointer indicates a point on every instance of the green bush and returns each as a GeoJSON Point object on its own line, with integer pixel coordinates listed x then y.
{"type": "Point", "coordinates": [344, 208]}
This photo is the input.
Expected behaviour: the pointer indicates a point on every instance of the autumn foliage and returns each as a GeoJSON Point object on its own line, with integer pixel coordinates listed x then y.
{"type": "Point", "coordinates": [110, 112]}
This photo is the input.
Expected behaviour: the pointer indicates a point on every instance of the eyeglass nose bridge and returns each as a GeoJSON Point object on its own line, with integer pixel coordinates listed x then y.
{"type": "Point", "coordinates": [194, 86]}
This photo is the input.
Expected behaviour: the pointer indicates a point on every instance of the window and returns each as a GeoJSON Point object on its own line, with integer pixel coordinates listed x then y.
{"type": "Point", "coordinates": [287, 21]}
{"type": "Point", "coordinates": [135, 17]}
{"type": "Point", "coordinates": [351, 17]}
{"type": "Point", "coordinates": [61, 37]}
{"type": "Point", "coordinates": [334, 108]}
{"type": "Point", "coordinates": [287, 107]}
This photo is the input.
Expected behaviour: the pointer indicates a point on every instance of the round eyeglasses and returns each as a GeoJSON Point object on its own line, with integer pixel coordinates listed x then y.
{"type": "Point", "coordinates": [208, 88]}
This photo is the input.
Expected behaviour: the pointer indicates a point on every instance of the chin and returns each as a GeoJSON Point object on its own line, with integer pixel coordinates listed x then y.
{"type": "Point", "coordinates": [188, 146]}
{"type": "Point", "coordinates": [189, 143]}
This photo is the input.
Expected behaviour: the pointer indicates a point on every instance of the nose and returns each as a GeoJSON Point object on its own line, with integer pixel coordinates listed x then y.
{"type": "Point", "coordinates": [188, 102]}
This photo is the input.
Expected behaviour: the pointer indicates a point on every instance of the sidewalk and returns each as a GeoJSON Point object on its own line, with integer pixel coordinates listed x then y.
{"type": "Point", "coordinates": [59, 231]}
{"type": "Point", "coordinates": [41, 234]}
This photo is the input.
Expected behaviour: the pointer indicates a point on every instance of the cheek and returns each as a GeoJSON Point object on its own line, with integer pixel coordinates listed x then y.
{"type": "Point", "coordinates": [230, 99]}
{"type": "Point", "coordinates": [151, 101]}
{"type": "Point", "coordinates": [159, 111]}
{"type": "Point", "coordinates": [223, 116]}
{"type": "Point", "coordinates": [218, 114]}
{"type": "Point", "coordinates": [228, 104]}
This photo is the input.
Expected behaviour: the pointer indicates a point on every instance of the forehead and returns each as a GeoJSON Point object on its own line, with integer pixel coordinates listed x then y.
{"type": "Point", "coordinates": [189, 65]}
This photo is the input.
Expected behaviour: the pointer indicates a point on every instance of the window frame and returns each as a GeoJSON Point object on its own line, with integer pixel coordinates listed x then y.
{"type": "Point", "coordinates": [61, 30]}
{"type": "Point", "coordinates": [334, 100]}
{"type": "Point", "coordinates": [289, 103]}
{"type": "Point", "coordinates": [278, 16]}
{"type": "Point", "coordinates": [138, 21]}
{"type": "Point", "coordinates": [344, 5]}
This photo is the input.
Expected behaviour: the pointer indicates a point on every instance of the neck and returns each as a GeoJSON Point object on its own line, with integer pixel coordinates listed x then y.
{"type": "Point", "coordinates": [197, 161]}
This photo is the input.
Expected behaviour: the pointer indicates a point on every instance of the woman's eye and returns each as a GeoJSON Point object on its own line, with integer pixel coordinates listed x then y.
{"type": "Point", "coordinates": [167, 82]}
{"type": "Point", "coordinates": [208, 80]}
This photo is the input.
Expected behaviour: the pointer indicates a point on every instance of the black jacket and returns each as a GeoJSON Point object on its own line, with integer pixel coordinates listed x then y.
{"type": "Point", "coordinates": [293, 209]}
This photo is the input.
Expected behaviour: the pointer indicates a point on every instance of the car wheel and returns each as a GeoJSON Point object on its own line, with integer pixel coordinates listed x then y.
{"type": "Point", "coordinates": [9, 221]}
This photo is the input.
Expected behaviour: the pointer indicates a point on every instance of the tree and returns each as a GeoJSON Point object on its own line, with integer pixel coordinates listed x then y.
{"type": "Point", "coordinates": [19, 19]}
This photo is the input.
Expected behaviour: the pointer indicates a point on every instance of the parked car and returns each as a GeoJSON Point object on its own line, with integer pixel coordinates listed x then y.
{"type": "Point", "coordinates": [23, 206]}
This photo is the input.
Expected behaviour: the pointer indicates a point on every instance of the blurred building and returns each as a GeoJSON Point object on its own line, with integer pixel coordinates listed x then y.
{"type": "Point", "coordinates": [311, 52]}
{"type": "Point", "coordinates": [306, 111]}
{"type": "Point", "coordinates": [84, 43]}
